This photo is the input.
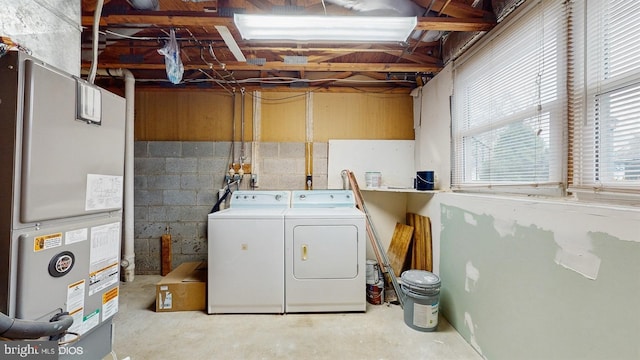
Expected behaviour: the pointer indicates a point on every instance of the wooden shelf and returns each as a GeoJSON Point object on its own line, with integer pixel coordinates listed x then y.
{"type": "Point", "coordinates": [399, 190]}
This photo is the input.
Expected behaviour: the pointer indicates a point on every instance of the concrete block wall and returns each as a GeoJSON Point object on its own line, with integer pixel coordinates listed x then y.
{"type": "Point", "coordinates": [176, 185]}
{"type": "Point", "coordinates": [177, 182]}
{"type": "Point", "coordinates": [282, 166]}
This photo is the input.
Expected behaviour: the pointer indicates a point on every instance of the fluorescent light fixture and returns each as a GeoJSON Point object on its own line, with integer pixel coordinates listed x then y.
{"type": "Point", "coordinates": [324, 28]}
{"type": "Point", "coordinates": [231, 43]}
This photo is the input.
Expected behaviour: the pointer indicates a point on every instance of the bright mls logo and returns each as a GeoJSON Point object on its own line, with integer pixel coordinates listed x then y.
{"type": "Point", "coordinates": [41, 350]}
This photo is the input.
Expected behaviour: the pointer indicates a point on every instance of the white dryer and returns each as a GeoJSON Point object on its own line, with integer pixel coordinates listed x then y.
{"type": "Point", "coordinates": [325, 252]}
{"type": "Point", "coordinates": [246, 254]}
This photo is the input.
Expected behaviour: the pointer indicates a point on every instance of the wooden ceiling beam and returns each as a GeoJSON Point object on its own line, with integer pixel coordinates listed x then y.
{"type": "Point", "coordinates": [280, 66]}
{"type": "Point", "coordinates": [454, 9]}
{"type": "Point", "coordinates": [374, 75]}
{"type": "Point", "coordinates": [416, 58]}
{"type": "Point", "coordinates": [454, 24]}
{"type": "Point", "coordinates": [198, 19]}
{"type": "Point", "coordinates": [264, 5]}
{"type": "Point", "coordinates": [339, 76]}
{"type": "Point", "coordinates": [324, 58]}
{"type": "Point", "coordinates": [160, 19]}
{"type": "Point", "coordinates": [373, 48]}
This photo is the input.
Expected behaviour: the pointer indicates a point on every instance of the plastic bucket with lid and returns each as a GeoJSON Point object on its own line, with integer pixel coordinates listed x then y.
{"type": "Point", "coordinates": [421, 291]}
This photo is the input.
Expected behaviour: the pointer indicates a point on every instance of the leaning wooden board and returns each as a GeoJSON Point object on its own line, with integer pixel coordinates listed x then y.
{"type": "Point", "coordinates": [165, 254]}
{"type": "Point", "coordinates": [421, 248]}
{"type": "Point", "coordinates": [398, 247]}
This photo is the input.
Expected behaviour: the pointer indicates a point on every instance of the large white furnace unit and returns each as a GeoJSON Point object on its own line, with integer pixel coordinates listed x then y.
{"type": "Point", "coordinates": [61, 190]}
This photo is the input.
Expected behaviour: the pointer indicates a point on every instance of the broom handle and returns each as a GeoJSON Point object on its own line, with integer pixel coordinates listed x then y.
{"type": "Point", "coordinates": [381, 255]}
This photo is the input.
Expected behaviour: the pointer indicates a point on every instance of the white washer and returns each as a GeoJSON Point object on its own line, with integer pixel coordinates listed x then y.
{"type": "Point", "coordinates": [246, 254]}
{"type": "Point", "coordinates": [325, 253]}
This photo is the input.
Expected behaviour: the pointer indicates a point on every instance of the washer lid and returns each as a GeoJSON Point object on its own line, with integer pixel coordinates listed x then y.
{"type": "Point", "coordinates": [420, 279]}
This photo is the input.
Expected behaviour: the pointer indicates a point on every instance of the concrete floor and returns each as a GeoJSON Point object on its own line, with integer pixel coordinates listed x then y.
{"type": "Point", "coordinates": [380, 333]}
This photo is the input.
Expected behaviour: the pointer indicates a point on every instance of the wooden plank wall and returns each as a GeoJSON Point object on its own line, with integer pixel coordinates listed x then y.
{"type": "Point", "coordinates": [206, 116]}
{"type": "Point", "coordinates": [189, 116]}
{"type": "Point", "coordinates": [362, 116]}
{"type": "Point", "coordinates": [283, 116]}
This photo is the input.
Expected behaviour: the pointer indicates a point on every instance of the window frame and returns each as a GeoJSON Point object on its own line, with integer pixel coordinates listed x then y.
{"type": "Point", "coordinates": [556, 110]}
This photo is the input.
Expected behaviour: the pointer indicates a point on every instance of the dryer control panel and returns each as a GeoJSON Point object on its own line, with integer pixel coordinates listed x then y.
{"type": "Point", "coordinates": [323, 199]}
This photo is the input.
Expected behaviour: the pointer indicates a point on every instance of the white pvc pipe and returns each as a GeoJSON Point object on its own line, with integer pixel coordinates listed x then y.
{"type": "Point", "coordinates": [128, 255]}
{"type": "Point", "coordinates": [128, 252]}
{"type": "Point", "coordinates": [96, 37]}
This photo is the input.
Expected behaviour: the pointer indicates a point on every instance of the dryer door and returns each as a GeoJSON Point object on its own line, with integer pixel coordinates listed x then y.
{"type": "Point", "coordinates": [325, 251]}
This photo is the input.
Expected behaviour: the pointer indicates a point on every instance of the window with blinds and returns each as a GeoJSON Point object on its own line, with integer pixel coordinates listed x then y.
{"type": "Point", "coordinates": [509, 105]}
{"type": "Point", "coordinates": [606, 96]}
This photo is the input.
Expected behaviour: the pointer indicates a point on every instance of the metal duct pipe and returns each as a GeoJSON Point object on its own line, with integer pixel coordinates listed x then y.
{"type": "Point", "coordinates": [128, 255]}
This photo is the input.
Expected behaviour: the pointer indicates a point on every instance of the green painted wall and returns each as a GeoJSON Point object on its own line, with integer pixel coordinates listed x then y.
{"type": "Point", "coordinates": [504, 291]}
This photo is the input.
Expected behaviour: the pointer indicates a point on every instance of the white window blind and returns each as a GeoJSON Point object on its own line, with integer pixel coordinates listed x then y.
{"type": "Point", "coordinates": [607, 96]}
{"type": "Point", "coordinates": [509, 105]}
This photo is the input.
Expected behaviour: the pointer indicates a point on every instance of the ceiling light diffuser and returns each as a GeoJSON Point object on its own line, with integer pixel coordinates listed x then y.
{"type": "Point", "coordinates": [324, 28]}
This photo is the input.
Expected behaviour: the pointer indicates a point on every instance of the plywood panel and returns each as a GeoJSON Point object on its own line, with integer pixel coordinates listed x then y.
{"type": "Point", "coordinates": [393, 158]}
{"type": "Point", "coordinates": [422, 252]}
{"type": "Point", "coordinates": [189, 116]}
{"type": "Point", "coordinates": [362, 116]}
{"type": "Point", "coordinates": [283, 116]}
{"type": "Point", "coordinates": [398, 247]}
{"type": "Point", "coordinates": [205, 115]}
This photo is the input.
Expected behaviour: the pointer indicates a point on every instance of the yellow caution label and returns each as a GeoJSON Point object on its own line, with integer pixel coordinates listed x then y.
{"type": "Point", "coordinates": [47, 242]}
{"type": "Point", "coordinates": [109, 295]}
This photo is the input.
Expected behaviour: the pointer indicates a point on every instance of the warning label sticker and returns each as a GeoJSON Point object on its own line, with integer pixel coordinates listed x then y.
{"type": "Point", "coordinates": [103, 278]}
{"type": "Point", "coordinates": [47, 242]}
{"type": "Point", "coordinates": [75, 296]}
{"type": "Point", "coordinates": [109, 303]}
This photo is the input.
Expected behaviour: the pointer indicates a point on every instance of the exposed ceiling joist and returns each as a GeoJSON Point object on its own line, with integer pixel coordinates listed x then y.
{"type": "Point", "coordinates": [416, 58]}
{"type": "Point", "coordinates": [203, 20]}
{"type": "Point", "coordinates": [454, 24]}
{"type": "Point", "coordinates": [131, 37]}
{"type": "Point", "coordinates": [280, 66]}
{"type": "Point", "coordinates": [264, 5]}
{"type": "Point", "coordinates": [454, 9]}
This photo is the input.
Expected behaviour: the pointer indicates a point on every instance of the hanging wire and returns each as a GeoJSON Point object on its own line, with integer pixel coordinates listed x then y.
{"type": "Point", "coordinates": [222, 83]}
{"type": "Point", "coordinates": [222, 65]}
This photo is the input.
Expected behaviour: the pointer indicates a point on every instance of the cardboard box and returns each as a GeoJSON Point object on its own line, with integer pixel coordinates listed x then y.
{"type": "Point", "coordinates": [185, 288]}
